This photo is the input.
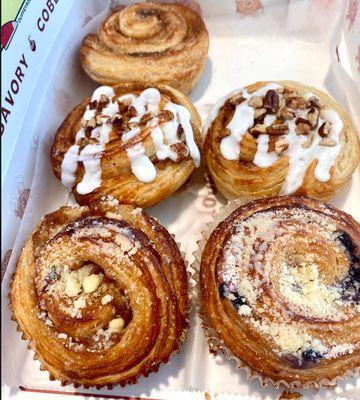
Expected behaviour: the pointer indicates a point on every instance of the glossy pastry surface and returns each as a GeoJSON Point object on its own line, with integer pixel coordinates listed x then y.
{"type": "Point", "coordinates": [134, 142]}
{"type": "Point", "coordinates": [101, 294]}
{"type": "Point", "coordinates": [280, 290]}
{"type": "Point", "coordinates": [282, 138]}
{"type": "Point", "coordinates": [151, 43]}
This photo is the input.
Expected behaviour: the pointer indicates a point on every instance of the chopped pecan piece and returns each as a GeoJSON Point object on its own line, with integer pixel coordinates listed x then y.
{"type": "Point", "coordinates": [303, 126]}
{"type": "Point", "coordinates": [116, 118]}
{"type": "Point", "coordinates": [123, 107]}
{"type": "Point", "coordinates": [313, 116]}
{"type": "Point", "coordinates": [286, 113]}
{"type": "Point", "coordinates": [132, 124]}
{"type": "Point", "coordinates": [313, 101]}
{"type": "Point", "coordinates": [258, 129]}
{"type": "Point", "coordinates": [93, 105]}
{"type": "Point", "coordinates": [181, 150]}
{"type": "Point", "coordinates": [259, 112]}
{"type": "Point", "coordinates": [181, 134]}
{"type": "Point", "coordinates": [281, 145]}
{"type": "Point", "coordinates": [299, 102]}
{"type": "Point", "coordinates": [324, 130]}
{"type": "Point", "coordinates": [147, 117]}
{"type": "Point", "coordinates": [104, 99]}
{"type": "Point", "coordinates": [118, 123]}
{"type": "Point", "coordinates": [307, 143]}
{"type": "Point", "coordinates": [102, 103]}
{"type": "Point", "coordinates": [236, 99]}
{"type": "Point", "coordinates": [277, 129]}
{"type": "Point", "coordinates": [91, 122]}
{"type": "Point", "coordinates": [290, 94]}
{"type": "Point", "coordinates": [165, 116]}
{"type": "Point", "coordinates": [88, 131]}
{"type": "Point", "coordinates": [271, 101]}
{"type": "Point", "coordinates": [327, 142]}
{"type": "Point", "coordinates": [131, 112]}
{"type": "Point", "coordinates": [256, 102]}
{"type": "Point", "coordinates": [282, 102]}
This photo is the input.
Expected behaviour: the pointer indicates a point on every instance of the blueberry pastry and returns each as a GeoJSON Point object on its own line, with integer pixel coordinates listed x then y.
{"type": "Point", "coordinates": [280, 291]}
{"type": "Point", "coordinates": [101, 294]}
{"type": "Point", "coordinates": [135, 142]}
{"type": "Point", "coordinates": [284, 138]}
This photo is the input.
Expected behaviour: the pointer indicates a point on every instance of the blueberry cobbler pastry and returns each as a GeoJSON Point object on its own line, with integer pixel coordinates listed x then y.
{"type": "Point", "coordinates": [280, 290]}
{"type": "Point", "coordinates": [101, 294]}
{"type": "Point", "coordinates": [283, 138]}
{"type": "Point", "coordinates": [135, 142]}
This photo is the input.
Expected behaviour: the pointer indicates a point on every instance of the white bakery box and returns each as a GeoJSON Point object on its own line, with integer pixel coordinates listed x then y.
{"type": "Point", "coordinates": [316, 42]}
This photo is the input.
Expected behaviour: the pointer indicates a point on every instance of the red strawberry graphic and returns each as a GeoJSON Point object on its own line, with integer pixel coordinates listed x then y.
{"type": "Point", "coordinates": [7, 33]}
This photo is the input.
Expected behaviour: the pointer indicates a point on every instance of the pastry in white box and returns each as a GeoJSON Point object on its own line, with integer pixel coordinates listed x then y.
{"type": "Point", "coordinates": [284, 138]}
{"type": "Point", "coordinates": [280, 291]}
{"type": "Point", "coordinates": [136, 142]}
{"type": "Point", "coordinates": [149, 43]}
{"type": "Point", "coordinates": [101, 293]}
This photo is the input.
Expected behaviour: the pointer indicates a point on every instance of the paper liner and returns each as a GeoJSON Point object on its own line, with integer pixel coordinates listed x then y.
{"type": "Point", "coordinates": [31, 345]}
{"type": "Point", "coordinates": [216, 344]}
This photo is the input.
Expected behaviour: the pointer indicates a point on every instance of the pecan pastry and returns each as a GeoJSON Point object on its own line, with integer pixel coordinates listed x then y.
{"type": "Point", "coordinates": [149, 43]}
{"type": "Point", "coordinates": [101, 294]}
{"type": "Point", "coordinates": [280, 138]}
{"type": "Point", "coordinates": [280, 290]}
{"type": "Point", "coordinates": [134, 142]}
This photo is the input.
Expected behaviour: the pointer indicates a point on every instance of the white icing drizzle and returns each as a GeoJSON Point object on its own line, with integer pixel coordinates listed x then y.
{"type": "Point", "coordinates": [299, 157]}
{"type": "Point", "coordinates": [184, 119]}
{"type": "Point", "coordinates": [69, 163]}
{"type": "Point", "coordinates": [163, 136]}
{"type": "Point", "coordinates": [163, 151]}
{"type": "Point", "coordinates": [241, 122]}
{"type": "Point", "coordinates": [141, 165]}
{"type": "Point", "coordinates": [262, 157]}
{"type": "Point", "coordinates": [90, 156]}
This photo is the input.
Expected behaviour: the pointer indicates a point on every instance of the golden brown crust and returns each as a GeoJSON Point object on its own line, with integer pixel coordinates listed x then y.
{"type": "Point", "coordinates": [284, 234]}
{"type": "Point", "coordinates": [149, 43]}
{"type": "Point", "coordinates": [144, 283]}
{"type": "Point", "coordinates": [117, 178]}
{"type": "Point", "coordinates": [243, 179]}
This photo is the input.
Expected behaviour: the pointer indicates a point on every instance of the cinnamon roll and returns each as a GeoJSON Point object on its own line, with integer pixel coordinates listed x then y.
{"type": "Point", "coordinates": [282, 138]}
{"type": "Point", "coordinates": [134, 142]}
{"type": "Point", "coordinates": [100, 292]}
{"type": "Point", "coordinates": [149, 43]}
{"type": "Point", "coordinates": [280, 291]}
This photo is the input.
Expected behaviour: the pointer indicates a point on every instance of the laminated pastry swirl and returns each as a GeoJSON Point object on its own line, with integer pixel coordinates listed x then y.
{"type": "Point", "coordinates": [280, 290]}
{"type": "Point", "coordinates": [134, 142]}
{"type": "Point", "coordinates": [283, 138]}
{"type": "Point", "coordinates": [101, 294]}
{"type": "Point", "coordinates": [149, 43]}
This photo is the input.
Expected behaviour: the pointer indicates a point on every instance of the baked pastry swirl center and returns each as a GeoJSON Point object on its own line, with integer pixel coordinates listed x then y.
{"type": "Point", "coordinates": [150, 43]}
{"type": "Point", "coordinates": [161, 29]}
{"type": "Point", "coordinates": [287, 283]}
{"type": "Point", "coordinates": [97, 298]}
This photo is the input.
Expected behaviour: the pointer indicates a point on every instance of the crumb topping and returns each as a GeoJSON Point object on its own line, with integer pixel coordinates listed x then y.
{"type": "Point", "coordinates": [283, 268]}
{"type": "Point", "coordinates": [84, 306]}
